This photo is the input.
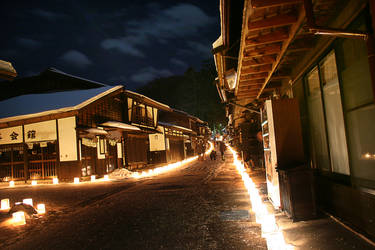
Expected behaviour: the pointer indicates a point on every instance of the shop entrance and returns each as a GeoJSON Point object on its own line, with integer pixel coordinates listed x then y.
{"type": "Point", "coordinates": [11, 162]}
{"type": "Point", "coordinates": [42, 160]}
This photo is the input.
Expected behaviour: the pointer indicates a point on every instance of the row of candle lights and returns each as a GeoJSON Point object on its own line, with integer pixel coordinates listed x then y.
{"type": "Point", "coordinates": [18, 218]}
{"type": "Point", "coordinates": [270, 230]}
{"type": "Point", "coordinates": [76, 180]}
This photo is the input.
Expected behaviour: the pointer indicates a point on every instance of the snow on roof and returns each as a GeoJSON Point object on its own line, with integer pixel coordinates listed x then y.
{"type": "Point", "coordinates": [166, 124]}
{"type": "Point", "coordinates": [148, 99]}
{"type": "Point", "coordinates": [121, 125]}
{"type": "Point", "coordinates": [72, 76]}
{"type": "Point", "coordinates": [28, 106]}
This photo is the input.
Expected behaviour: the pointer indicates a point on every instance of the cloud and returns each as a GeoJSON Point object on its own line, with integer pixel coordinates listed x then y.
{"type": "Point", "coordinates": [178, 63]}
{"type": "Point", "coordinates": [123, 45]}
{"type": "Point", "coordinates": [147, 74]}
{"type": "Point", "coordinates": [201, 48]}
{"type": "Point", "coordinates": [28, 43]}
{"type": "Point", "coordinates": [117, 79]}
{"type": "Point", "coordinates": [52, 16]}
{"type": "Point", "coordinates": [76, 59]}
{"type": "Point", "coordinates": [179, 21]}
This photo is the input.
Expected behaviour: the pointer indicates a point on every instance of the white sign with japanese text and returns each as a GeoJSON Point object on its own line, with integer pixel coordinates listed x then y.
{"type": "Point", "coordinates": [67, 139]}
{"type": "Point", "coordinates": [41, 131]}
{"type": "Point", "coordinates": [11, 135]}
{"type": "Point", "coordinates": [157, 141]}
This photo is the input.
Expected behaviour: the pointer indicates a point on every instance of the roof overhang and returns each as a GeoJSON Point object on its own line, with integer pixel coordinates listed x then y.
{"type": "Point", "coordinates": [7, 71]}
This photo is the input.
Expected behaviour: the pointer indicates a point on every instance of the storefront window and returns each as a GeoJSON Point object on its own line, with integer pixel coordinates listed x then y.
{"type": "Point", "coordinates": [318, 138]}
{"type": "Point", "coordinates": [334, 115]}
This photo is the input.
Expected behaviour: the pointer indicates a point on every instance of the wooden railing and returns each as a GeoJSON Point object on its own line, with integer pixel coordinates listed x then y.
{"type": "Point", "coordinates": [12, 171]}
{"type": "Point", "coordinates": [42, 169]}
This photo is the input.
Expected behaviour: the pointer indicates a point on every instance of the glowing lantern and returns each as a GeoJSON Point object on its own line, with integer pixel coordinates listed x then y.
{"type": "Point", "coordinates": [55, 181]}
{"type": "Point", "coordinates": [93, 177]}
{"type": "Point", "coordinates": [106, 177]}
{"type": "Point", "coordinates": [276, 241]}
{"type": "Point", "coordinates": [28, 201]}
{"type": "Point", "coordinates": [5, 204]}
{"type": "Point", "coordinates": [76, 180]}
{"type": "Point", "coordinates": [11, 184]}
{"type": "Point", "coordinates": [19, 218]}
{"type": "Point", "coordinates": [41, 208]}
{"type": "Point", "coordinates": [34, 183]}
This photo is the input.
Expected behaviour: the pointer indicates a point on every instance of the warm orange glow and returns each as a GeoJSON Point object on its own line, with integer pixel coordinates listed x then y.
{"type": "Point", "coordinates": [93, 178]}
{"type": "Point", "coordinates": [169, 167]}
{"type": "Point", "coordinates": [41, 208]}
{"type": "Point", "coordinates": [19, 218]}
{"type": "Point", "coordinates": [270, 230]}
{"type": "Point", "coordinates": [28, 201]}
{"type": "Point", "coordinates": [76, 180]}
{"type": "Point", "coordinates": [11, 184]}
{"type": "Point", "coordinates": [55, 181]}
{"type": "Point", "coordinates": [5, 204]}
{"type": "Point", "coordinates": [34, 183]}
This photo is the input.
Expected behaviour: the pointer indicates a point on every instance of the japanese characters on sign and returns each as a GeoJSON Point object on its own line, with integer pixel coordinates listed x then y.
{"type": "Point", "coordinates": [11, 135]}
{"type": "Point", "coordinates": [41, 131]}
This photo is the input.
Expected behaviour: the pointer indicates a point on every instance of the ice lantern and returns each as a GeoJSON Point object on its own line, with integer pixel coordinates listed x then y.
{"type": "Point", "coordinates": [19, 218]}
{"type": "Point", "coordinates": [5, 204]}
{"type": "Point", "coordinates": [41, 208]}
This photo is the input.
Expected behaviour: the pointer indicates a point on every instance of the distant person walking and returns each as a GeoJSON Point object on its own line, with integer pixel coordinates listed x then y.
{"type": "Point", "coordinates": [222, 149]}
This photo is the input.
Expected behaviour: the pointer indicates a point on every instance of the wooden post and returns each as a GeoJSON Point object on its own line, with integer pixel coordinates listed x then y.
{"type": "Point", "coordinates": [371, 46]}
{"type": "Point", "coordinates": [26, 162]}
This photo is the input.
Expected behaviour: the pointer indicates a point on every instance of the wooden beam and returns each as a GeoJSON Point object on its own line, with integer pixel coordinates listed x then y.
{"type": "Point", "coordinates": [280, 77]}
{"type": "Point", "coordinates": [275, 36]}
{"type": "Point", "coordinates": [255, 70]}
{"type": "Point", "coordinates": [259, 61]}
{"type": "Point", "coordinates": [266, 50]}
{"type": "Point", "coordinates": [251, 82]}
{"type": "Point", "coordinates": [301, 45]}
{"type": "Point", "coordinates": [293, 31]}
{"type": "Point", "coordinates": [258, 4]}
{"type": "Point", "coordinates": [244, 87]}
{"type": "Point", "coordinates": [254, 76]}
{"type": "Point", "coordinates": [272, 22]}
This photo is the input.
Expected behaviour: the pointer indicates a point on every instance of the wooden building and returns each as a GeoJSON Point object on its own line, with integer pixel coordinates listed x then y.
{"type": "Point", "coordinates": [322, 54]}
{"type": "Point", "coordinates": [75, 133]}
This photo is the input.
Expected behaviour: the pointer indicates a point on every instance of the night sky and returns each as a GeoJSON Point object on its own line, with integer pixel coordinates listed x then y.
{"type": "Point", "coordinates": [113, 42]}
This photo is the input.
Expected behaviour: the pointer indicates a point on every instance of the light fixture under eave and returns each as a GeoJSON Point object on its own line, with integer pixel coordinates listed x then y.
{"type": "Point", "coordinates": [230, 79]}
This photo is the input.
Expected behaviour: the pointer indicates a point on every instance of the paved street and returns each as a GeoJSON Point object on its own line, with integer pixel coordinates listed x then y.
{"type": "Point", "coordinates": [203, 205]}
{"type": "Point", "coordinates": [200, 206]}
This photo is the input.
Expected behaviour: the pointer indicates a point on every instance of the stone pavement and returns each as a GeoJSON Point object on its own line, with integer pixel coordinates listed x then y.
{"type": "Point", "coordinates": [321, 233]}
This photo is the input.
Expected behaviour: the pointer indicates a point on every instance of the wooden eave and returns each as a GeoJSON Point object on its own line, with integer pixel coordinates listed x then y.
{"type": "Point", "coordinates": [270, 26]}
{"type": "Point", "coordinates": [274, 42]}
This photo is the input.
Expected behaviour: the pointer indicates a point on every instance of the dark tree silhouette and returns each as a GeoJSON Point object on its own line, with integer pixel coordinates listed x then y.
{"type": "Point", "coordinates": [194, 92]}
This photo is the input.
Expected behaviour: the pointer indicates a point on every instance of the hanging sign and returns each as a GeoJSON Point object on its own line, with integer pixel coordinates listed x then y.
{"type": "Point", "coordinates": [41, 131]}
{"type": "Point", "coordinates": [11, 135]}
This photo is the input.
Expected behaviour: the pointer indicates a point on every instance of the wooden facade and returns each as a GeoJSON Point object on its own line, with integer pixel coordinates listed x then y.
{"type": "Point", "coordinates": [323, 56]}
{"type": "Point", "coordinates": [112, 128]}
